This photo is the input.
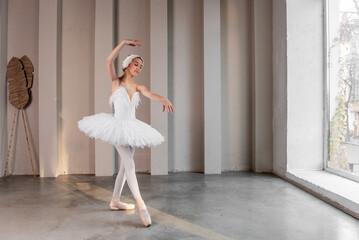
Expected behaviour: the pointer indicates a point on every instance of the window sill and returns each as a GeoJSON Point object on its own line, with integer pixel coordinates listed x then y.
{"type": "Point", "coordinates": [338, 191]}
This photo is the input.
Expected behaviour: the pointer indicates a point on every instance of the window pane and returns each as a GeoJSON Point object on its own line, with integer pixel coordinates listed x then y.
{"type": "Point", "coordinates": [343, 47]}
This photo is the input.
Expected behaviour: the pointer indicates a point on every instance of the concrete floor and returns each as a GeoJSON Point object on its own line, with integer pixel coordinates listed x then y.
{"type": "Point", "coordinates": [182, 206]}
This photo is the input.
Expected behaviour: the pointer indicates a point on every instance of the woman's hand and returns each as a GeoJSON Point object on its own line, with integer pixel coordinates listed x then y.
{"type": "Point", "coordinates": [167, 105]}
{"type": "Point", "coordinates": [132, 43]}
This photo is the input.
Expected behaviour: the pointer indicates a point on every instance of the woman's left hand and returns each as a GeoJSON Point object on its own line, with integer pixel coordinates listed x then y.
{"type": "Point", "coordinates": [167, 105]}
{"type": "Point", "coordinates": [132, 42]}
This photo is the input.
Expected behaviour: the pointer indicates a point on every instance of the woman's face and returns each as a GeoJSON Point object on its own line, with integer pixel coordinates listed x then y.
{"type": "Point", "coordinates": [135, 66]}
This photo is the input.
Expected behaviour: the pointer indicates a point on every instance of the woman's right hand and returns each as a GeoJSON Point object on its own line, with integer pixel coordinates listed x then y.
{"type": "Point", "coordinates": [132, 43]}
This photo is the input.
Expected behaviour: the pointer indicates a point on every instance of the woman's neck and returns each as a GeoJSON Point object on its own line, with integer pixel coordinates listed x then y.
{"type": "Point", "coordinates": [126, 78]}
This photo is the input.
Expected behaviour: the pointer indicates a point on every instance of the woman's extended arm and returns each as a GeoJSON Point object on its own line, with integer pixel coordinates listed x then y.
{"type": "Point", "coordinates": [111, 58]}
{"type": "Point", "coordinates": [166, 104]}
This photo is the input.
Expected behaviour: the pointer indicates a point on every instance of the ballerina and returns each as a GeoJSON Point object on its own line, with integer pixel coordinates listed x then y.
{"type": "Point", "coordinates": [122, 129]}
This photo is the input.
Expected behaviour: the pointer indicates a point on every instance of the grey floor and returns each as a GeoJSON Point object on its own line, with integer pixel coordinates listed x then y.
{"type": "Point", "coordinates": [182, 206]}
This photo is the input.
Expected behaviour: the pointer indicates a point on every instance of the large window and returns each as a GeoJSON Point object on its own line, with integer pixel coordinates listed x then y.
{"type": "Point", "coordinates": [343, 87]}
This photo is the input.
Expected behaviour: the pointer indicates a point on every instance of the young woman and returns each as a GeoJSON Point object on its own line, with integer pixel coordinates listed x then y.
{"type": "Point", "coordinates": [122, 129]}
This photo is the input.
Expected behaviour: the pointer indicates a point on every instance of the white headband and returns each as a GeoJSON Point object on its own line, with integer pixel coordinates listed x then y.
{"type": "Point", "coordinates": [129, 59]}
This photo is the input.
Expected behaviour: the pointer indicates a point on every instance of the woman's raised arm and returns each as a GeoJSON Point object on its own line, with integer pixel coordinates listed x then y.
{"type": "Point", "coordinates": [113, 55]}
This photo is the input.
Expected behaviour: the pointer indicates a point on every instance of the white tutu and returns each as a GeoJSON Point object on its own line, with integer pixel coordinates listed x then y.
{"type": "Point", "coordinates": [122, 128]}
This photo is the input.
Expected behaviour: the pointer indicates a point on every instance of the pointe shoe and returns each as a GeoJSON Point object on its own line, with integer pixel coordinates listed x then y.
{"type": "Point", "coordinates": [145, 216]}
{"type": "Point", "coordinates": [118, 205]}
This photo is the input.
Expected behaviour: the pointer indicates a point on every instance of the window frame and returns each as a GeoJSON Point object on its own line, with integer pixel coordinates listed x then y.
{"type": "Point", "coordinates": [327, 99]}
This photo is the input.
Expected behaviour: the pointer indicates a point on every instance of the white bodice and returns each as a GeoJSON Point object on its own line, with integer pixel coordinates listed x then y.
{"type": "Point", "coordinates": [125, 109]}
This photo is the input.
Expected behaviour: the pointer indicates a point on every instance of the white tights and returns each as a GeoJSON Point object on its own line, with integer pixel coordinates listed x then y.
{"type": "Point", "coordinates": [126, 172]}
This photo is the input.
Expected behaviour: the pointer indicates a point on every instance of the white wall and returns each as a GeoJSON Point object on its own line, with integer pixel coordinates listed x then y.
{"type": "Point", "coordinates": [23, 31]}
{"type": "Point", "coordinates": [49, 79]}
{"type": "Point", "coordinates": [279, 87]}
{"type": "Point", "coordinates": [298, 64]}
{"type": "Point", "coordinates": [236, 91]}
{"type": "Point", "coordinates": [185, 81]}
{"type": "Point", "coordinates": [305, 84]}
{"type": "Point", "coordinates": [262, 86]}
{"type": "Point", "coordinates": [212, 86]}
{"type": "Point", "coordinates": [159, 81]}
{"type": "Point", "coordinates": [104, 34]}
{"type": "Point", "coordinates": [186, 85]}
{"type": "Point", "coordinates": [3, 85]}
{"type": "Point", "coordinates": [77, 83]}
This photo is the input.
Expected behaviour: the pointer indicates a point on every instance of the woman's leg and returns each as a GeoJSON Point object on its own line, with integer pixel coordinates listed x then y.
{"type": "Point", "coordinates": [128, 166]}
{"type": "Point", "coordinates": [121, 177]}
{"type": "Point", "coordinates": [116, 204]}
{"type": "Point", "coordinates": [120, 181]}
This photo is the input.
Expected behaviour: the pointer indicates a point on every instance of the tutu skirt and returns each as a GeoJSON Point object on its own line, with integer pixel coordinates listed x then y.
{"type": "Point", "coordinates": [116, 131]}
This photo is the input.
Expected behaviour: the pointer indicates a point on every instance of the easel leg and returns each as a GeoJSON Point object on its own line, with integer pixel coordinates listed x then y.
{"type": "Point", "coordinates": [9, 149]}
{"type": "Point", "coordinates": [28, 144]}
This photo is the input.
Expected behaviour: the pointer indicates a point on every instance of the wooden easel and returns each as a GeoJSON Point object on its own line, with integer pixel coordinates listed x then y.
{"type": "Point", "coordinates": [27, 140]}
{"type": "Point", "coordinates": [19, 78]}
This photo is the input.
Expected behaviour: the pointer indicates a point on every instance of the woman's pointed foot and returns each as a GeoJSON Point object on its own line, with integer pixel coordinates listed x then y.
{"type": "Point", "coordinates": [116, 205]}
{"type": "Point", "coordinates": [145, 216]}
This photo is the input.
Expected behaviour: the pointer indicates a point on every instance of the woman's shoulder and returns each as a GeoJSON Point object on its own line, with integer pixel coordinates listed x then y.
{"type": "Point", "coordinates": [140, 87]}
